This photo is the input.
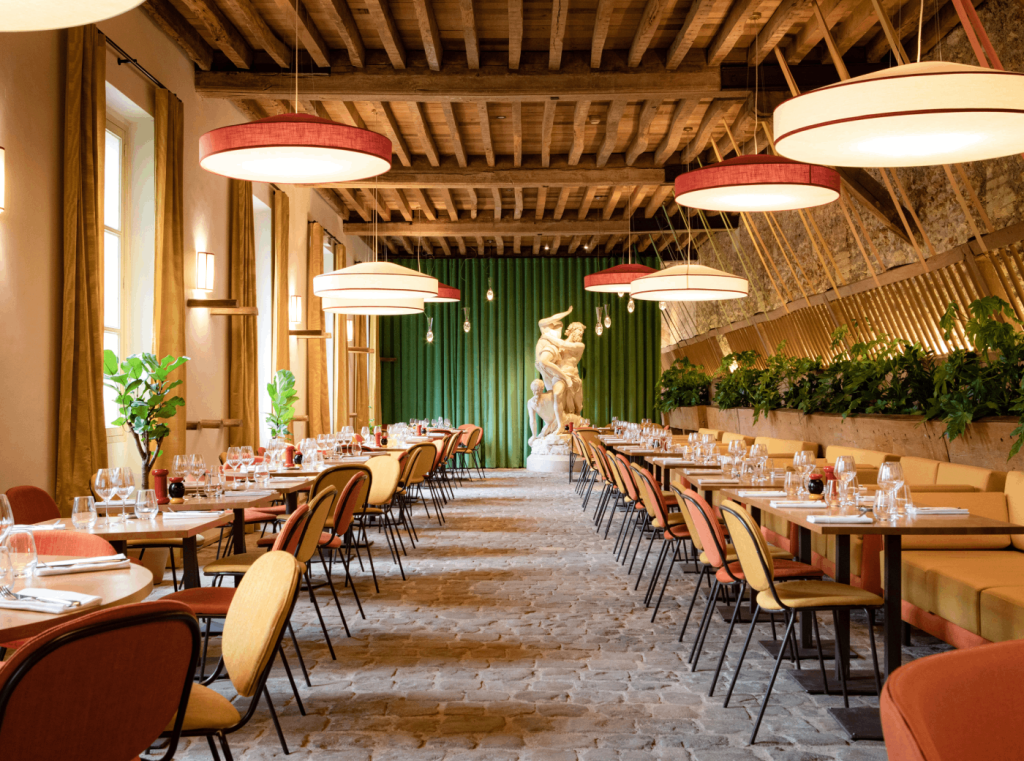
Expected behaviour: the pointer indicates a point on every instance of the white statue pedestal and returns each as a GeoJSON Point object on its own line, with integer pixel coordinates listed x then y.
{"type": "Point", "coordinates": [551, 454]}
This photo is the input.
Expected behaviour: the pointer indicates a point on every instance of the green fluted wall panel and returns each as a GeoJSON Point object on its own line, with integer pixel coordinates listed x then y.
{"type": "Point", "coordinates": [484, 376]}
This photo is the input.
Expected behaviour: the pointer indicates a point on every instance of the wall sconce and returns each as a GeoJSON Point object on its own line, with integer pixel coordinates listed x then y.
{"type": "Point", "coordinates": [3, 180]}
{"type": "Point", "coordinates": [295, 309]}
{"type": "Point", "coordinates": [351, 329]}
{"type": "Point", "coordinates": [204, 271]}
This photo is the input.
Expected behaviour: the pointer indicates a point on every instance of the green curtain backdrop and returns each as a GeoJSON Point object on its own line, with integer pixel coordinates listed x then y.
{"type": "Point", "coordinates": [484, 376]}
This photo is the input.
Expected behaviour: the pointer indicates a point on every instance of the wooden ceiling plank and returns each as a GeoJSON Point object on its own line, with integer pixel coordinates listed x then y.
{"type": "Point", "coordinates": [635, 199]}
{"type": "Point", "coordinates": [559, 17]}
{"type": "Point", "coordinates": [481, 249]}
{"type": "Point", "coordinates": [515, 33]}
{"type": "Point", "coordinates": [650, 20]}
{"type": "Point", "coordinates": [517, 134]}
{"type": "Point", "coordinates": [542, 202]}
{"type": "Point", "coordinates": [810, 35]}
{"type": "Point", "coordinates": [860, 21]}
{"type": "Point", "coordinates": [499, 244]}
{"type": "Point", "coordinates": [771, 34]}
{"type": "Point", "coordinates": [588, 199]}
{"type": "Point", "coordinates": [398, 145]}
{"type": "Point", "coordinates": [387, 30]}
{"type": "Point", "coordinates": [547, 128]}
{"type": "Point", "coordinates": [350, 115]}
{"type": "Point", "coordinates": [696, 17]}
{"type": "Point", "coordinates": [314, 108]}
{"type": "Point", "coordinates": [518, 212]}
{"type": "Point", "coordinates": [602, 21]}
{"type": "Point", "coordinates": [574, 243]}
{"type": "Point", "coordinates": [423, 203]}
{"type": "Point", "coordinates": [429, 33]}
{"type": "Point", "coordinates": [354, 203]}
{"type": "Point", "coordinates": [563, 198]}
{"type": "Point", "coordinates": [181, 32]}
{"type": "Point", "coordinates": [403, 205]}
{"type": "Point", "coordinates": [657, 199]}
{"type": "Point", "coordinates": [469, 32]}
{"type": "Point", "coordinates": [711, 119]}
{"type": "Point", "coordinates": [904, 23]}
{"type": "Point", "coordinates": [449, 204]}
{"type": "Point", "coordinates": [496, 193]}
{"type": "Point", "coordinates": [670, 143]}
{"type": "Point", "coordinates": [453, 131]}
{"type": "Point", "coordinates": [579, 131]}
{"type": "Point", "coordinates": [257, 29]}
{"type": "Point", "coordinates": [536, 245]}
{"type": "Point", "coordinates": [485, 131]}
{"type": "Point", "coordinates": [423, 129]}
{"type": "Point", "coordinates": [731, 30]}
{"type": "Point", "coordinates": [592, 244]}
{"type": "Point", "coordinates": [344, 24]}
{"type": "Point", "coordinates": [611, 131]}
{"type": "Point", "coordinates": [614, 194]}
{"type": "Point", "coordinates": [648, 110]}
{"type": "Point", "coordinates": [250, 108]}
{"type": "Point", "coordinates": [309, 35]}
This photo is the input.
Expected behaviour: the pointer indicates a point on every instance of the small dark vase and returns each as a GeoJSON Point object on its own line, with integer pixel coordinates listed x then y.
{"type": "Point", "coordinates": [176, 488]}
{"type": "Point", "coordinates": [816, 485]}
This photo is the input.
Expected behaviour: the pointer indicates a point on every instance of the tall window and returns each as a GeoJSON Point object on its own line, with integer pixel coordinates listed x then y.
{"type": "Point", "coordinates": [114, 249]}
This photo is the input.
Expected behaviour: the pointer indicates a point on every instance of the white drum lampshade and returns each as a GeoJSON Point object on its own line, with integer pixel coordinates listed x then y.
{"type": "Point", "coordinates": [379, 307]}
{"type": "Point", "coordinates": [375, 280]}
{"type": "Point", "coordinates": [689, 282]}
{"type": "Point", "coordinates": [39, 15]}
{"type": "Point", "coordinates": [919, 114]}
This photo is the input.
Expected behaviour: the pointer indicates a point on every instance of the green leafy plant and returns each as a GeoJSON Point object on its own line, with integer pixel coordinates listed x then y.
{"type": "Point", "coordinates": [142, 389]}
{"type": "Point", "coordinates": [736, 376]}
{"type": "Point", "coordinates": [282, 400]}
{"type": "Point", "coordinates": [684, 384]}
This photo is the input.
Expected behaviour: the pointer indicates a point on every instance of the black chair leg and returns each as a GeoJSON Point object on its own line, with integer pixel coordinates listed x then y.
{"type": "Point", "coordinates": [213, 748]}
{"type": "Point", "coordinates": [291, 680]}
{"type": "Point", "coordinates": [316, 606]}
{"type": "Point", "coordinates": [277, 724]}
{"type": "Point", "coordinates": [874, 652]}
{"type": "Point", "coordinates": [298, 653]}
{"type": "Point", "coordinates": [225, 747]}
{"type": "Point", "coordinates": [693, 600]}
{"type": "Point", "coordinates": [821, 657]}
{"type": "Point", "coordinates": [839, 658]}
{"type": "Point", "coordinates": [728, 636]}
{"type": "Point", "coordinates": [743, 654]}
{"type": "Point", "coordinates": [771, 682]}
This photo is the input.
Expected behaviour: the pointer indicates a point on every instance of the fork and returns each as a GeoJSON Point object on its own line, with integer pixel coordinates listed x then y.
{"type": "Point", "coordinates": [7, 594]}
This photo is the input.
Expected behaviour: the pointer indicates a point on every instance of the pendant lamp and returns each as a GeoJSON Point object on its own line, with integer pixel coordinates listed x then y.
{"type": "Point", "coordinates": [379, 307]}
{"type": "Point", "coordinates": [615, 279]}
{"type": "Point", "coordinates": [757, 183]}
{"type": "Point", "coordinates": [689, 282]}
{"type": "Point", "coordinates": [376, 280]}
{"type": "Point", "coordinates": [297, 149]}
{"type": "Point", "coordinates": [38, 15]}
{"type": "Point", "coordinates": [919, 114]}
{"type": "Point", "coordinates": [445, 295]}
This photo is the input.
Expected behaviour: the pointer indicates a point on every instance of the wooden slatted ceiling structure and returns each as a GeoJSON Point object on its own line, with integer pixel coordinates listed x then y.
{"type": "Point", "coordinates": [496, 92]}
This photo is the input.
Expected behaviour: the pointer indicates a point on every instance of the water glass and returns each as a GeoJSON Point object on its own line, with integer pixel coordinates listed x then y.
{"type": "Point", "coordinates": [83, 513]}
{"type": "Point", "coordinates": [883, 506]}
{"type": "Point", "coordinates": [214, 484]}
{"type": "Point", "coordinates": [262, 474]}
{"type": "Point", "coordinates": [903, 502]}
{"type": "Point", "coordinates": [6, 515]}
{"type": "Point", "coordinates": [146, 507]}
{"type": "Point", "coordinates": [6, 569]}
{"type": "Point", "coordinates": [21, 548]}
{"type": "Point", "coordinates": [831, 494]}
{"type": "Point", "coordinates": [792, 484]}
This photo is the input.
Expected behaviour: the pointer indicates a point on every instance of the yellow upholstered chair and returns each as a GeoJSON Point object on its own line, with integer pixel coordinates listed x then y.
{"type": "Point", "coordinates": [386, 472]}
{"type": "Point", "coordinates": [785, 448]}
{"type": "Point", "coordinates": [730, 437]}
{"type": "Point", "coordinates": [862, 457]}
{"type": "Point", "coordinates": [713, 431]}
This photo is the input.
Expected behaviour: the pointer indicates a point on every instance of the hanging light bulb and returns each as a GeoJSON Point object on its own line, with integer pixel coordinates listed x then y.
{"type": "Point", "coordinates": [621, 294]}
{"type": "Point", "coordinates": [490, 291]}
{"type": "Point", "coordinates": [430, 330]}
{"type": "Point", "coordinates": [662, 305]}
{"type": "Point", "coordinates": [599, 329]}
{"type": "Point", "coordinates": [607, 317]}
{"type": "Point", "coordinates": [466, 325]}
{"type": "Point", "coordinates": [631, 305]}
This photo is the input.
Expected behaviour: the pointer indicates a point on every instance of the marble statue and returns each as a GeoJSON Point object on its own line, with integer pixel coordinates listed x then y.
{"type": "Point", "coordinates": [557, 396]}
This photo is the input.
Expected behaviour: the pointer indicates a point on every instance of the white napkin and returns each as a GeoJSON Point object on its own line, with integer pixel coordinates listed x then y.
{"type": "Point", "coordinates": [762, 493]}
{"type": "Point", "coordinates": [46, 526]}
{"type": "Point", "coordinates": [839, 519]}
{"type": "Point", "coordinates": [938, 511]}
{"type": "Point", "coordinates": [790, 503]}
{"type": "Point", "coordinates": [247, 494]}
{"type": "Point", "coordinates": [188, 514]}
{"type": "Point", "coordinates": [716, 479]}
{"type": "Point", "coordinates": [82, 565]}
{"type": "Point", "coordinates": [50, 601]}
{"type": "Point", "coordinates": [704, 472]}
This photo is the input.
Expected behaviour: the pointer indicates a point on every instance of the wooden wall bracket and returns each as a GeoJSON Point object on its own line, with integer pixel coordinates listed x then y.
{"type": "Point", "coordinates": [313, 335]}
{"type": "Point", "coordinates": [198, 425]}
{"type": "Point", "coordinates": [221, 306]}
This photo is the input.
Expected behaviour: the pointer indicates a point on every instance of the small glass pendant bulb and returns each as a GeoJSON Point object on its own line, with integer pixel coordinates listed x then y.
{"type": "Point", "coordinates": [599, 329]}
{"type": "Point", "coordinates": [490, 291]}
{"type": "Point", "coordinates": [630, 306]}
{"type": "Point", "coordinates": [607, 317]}
{"type": "Point", "coordinates": [662, 305]}
{"type": "Point", "coordinates": [621, 294]}
{"type": "Point", "coordinates": [466, 325]}
{"type": "Point", "coordinates": [430, 330]}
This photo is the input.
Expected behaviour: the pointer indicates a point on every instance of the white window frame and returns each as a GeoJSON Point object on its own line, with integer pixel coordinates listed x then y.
{"type": "Point", "coordinates": [124, 234]}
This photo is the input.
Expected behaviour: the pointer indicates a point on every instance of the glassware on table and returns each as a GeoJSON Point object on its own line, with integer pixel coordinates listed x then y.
{"type": "Point", "coordinates": [6, 515]}
{"type": "Point", "coordinates": [105, 485]}
{"type": "Point", "coordinates": [903, 502]}
{"type": "Point", "coordinates": [214, 483]}
{"type": "Point", "coordinates": [845, 468]}
{"type": "Point", "coordinates": [146, 507]}
{"type": "Point", "coordinates": [792, 484]}
{"type": "Point", "coordinates": [21, 547]}
{"type": "Point", "coordinates": [6, 568]}
{"type": "Point", "coordinates": [198, 470]}
{"type": "Point", "coordinates": [831, 494]}
{"type": "Point", "coordinates": [262, 474]}
{"type": "Point", "coordinates": [357, 448]}
{"type": "Point", "coordinates": [83, 513]}
{"type": "Point", "coordinates": [890, 476]}
{"type": "Point", "coordinates": [248, 458]}
{"type": "Point", "coordinates": [883, 505]}
{"type": "Point", "coordinates": [803, 463]}
{"type": "Point", "coordinates": [125, 484]}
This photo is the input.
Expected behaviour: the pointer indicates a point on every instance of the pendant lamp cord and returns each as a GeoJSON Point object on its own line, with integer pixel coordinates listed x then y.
{"type": "Point", "coordinates": [757, 68]}
{"type": "Point", "coordinates": [296, 104]}
{"type": "Point", "coordinates": [920, 28]}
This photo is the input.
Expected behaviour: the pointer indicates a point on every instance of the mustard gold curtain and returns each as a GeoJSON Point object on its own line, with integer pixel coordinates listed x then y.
{"type": "Point", "coordinates": [81, 429]}
{"type": "Point", "coordinates": [318, 399]}
{"type": "Point", "coordinates": [362, 409]}
{"type": "Point", "coordinates": [341, 353]}
{"type": "Point", "coordinates": [169, 285]}
{"type": "Point", "coordinates": [373, 372]}
{"type": "Point", "coordinates": [279, 287]}
{"type": "Point", "coordinates": [243, 378]}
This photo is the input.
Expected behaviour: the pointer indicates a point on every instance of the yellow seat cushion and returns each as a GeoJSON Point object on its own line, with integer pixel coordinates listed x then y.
{"type": "Point", "coordinates": [983, 479]}
{"type": "Point", "coordinates": [207, 709]}
{"type": "Point", "coordinates": [200, 541]}
{"type": "Point", "coordinates": [674, 519]}
{"type": "Point", "coordinates": [869, 457]}
{"type": "Point", "coordinates": [959, 582]}
{"type": "Point", "coordinates": [233, 563]}
{"type": "Point", "coordinates": [1002, 613]}
{"type": "Point", "coordinates": [817, 594]}
{"type": "Point", "coordinates": [918, 588]}
{"type": "Point", "coordinates": [826, 547]}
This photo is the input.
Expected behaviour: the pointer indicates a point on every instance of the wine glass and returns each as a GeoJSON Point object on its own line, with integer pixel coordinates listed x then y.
{"type": "Point", "coordinates": [199, 473]}
{"type": "Point", "coordinates": [124, 483]}
{"type": "Point", "coordinates": [146, 507]}
{"type": "Point", "coordinates": [83, 513]}
{"type": "Point", "coordinates": [365, 433]}
{"type": "Point", "coordinates": [845, 469]}
{"type": "Point", "coordinates": [21, 546]}
{"type": "Point", "coordinates": [6, 568]}
{"type": "Point", "coordinates": [6, 515]}
{"type": "Point", "coordinates": [105, 485]}
{"type": "Point", "coordinates": [357, 448]}
{"type": "Point", "coordinates": [234, 461]}
{"type": "Point", "coordinates": [248, 458]}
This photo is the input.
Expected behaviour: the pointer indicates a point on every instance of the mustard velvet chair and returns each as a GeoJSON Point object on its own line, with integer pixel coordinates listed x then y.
{"type": "Point", "coordinates": [671, 525]}
{"type": "Point", "coordinates": [380, 503]}
{"type": "Point", "coordinates": [469, 447]}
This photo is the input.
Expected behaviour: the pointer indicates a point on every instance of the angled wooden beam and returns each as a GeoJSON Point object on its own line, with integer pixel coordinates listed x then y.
{"type": "Point", "coordinates": [453, 131]}
{"type": "Point", "coordinates": [810, 35]}
{"type": "Point", "coordinates": [859, 23]}
{"type": "Point", "coordinates": [781, 21]}
{"type": "Point", "coordinates": [174, 25]}
{"type": "Point", "coordinates": [449, 204]}
{"type": "Point", "coordinates": [731, 30]}
{"type": "Point", "coordinates": [574, 243]}
{"type": "Point", "coordinates": [474, 203]}
{"type": "Point", "coordinates": [256, 27]}
{"type": "Point", "coordinates": [517, 134]}
{"type": "Point", "coordinates": [904, 23]}
{"type": "Point", "coordinates": [592, 244]}
{"type": "Point", "coordinates": [398, 145]}
{"type": "Point", "coordinates": [354, 203]}
{"type": "Point", "coordinates": [563, 198]}
{"type": "Point", "coordinates": [423, 129]}
{"type": "Point", "coordinates": [518, 212]}
{"type": "Point", "coordinates": [403, 204]}
{"type": "Point", "coordinates": [712, 118]}
{"type": "Point", "coordinates": [515, 33]}
{"type": "Point", "coordinates": [496, 193]}
{"type": "Point", "coordinates": [536, 245]}
{"type": "Point", "coordinates": [614, 194]}
{"type": "Point", "coordinates": [443, 242]}
{"type": "Point", "coordinates": [485, 132]}
{"type": "Point", "coordinates": [387, 30]}
{"type": "Point", "coordinates": [588, 199]}
{"type": "Point", "coordinates": [378, 204]}
{"type": "Point", "coordinates": [670, 143]}
{"type": "Point", "coordinates": [350, 115]}
{"type": "Point", "coordinates": [469, 32]}
{"type": "Point", "coordinates": [833, 49]}
{"type": "Point", "coordinates": [542, 202]}
{"type": "Point", "coordinates": [455, 82]}
{"type": "Point", "coordinates": [547, 127]}
{"type": "Point", "coordinates": [653, 14]}
{"type": "Point", "coordinates": [423, 203]}
{"type": "Point", "coordinates": [432, 47]}
{"type": "Point", "coordinates": [744, 119]}
{"type": "Point", "coordinates": [461, 243]}
{"type": "Point", "coordinates": [579, 130]}
{"type": "Point", "coordinates": [659, 197]}
{"type": "Point", "coordinates": [556, 243]}
{"type": "Point", "coordinates": [250, 108]}
{"type": "Point", "coordinates": [635, 199]}
{"type": "Point", "coordinates": [602, 20]}
{"type": "Point", "coordinates": [334, 200]}
{"type": "Point", "coordinates": [499, 244]}
{"type": "Point", "coordinates": [696, 17]}
{"type": "Point", "coordinates": [309, 35]}
{"type": "Point", "coordinates": [611, 131]}
{"type": "Point", "coordinates": [517, 244]}
{"type": "Point", "coordinates": [941, 24]}
{"type": "Point", "coordinates": [559, 17]}
{"type": "Point", "coordinates": [866, 189]}
{"type": "Point", "coordinates": [648, 110]}
{"type": "Point", "coordinates": [314, 108]}
{"type": "Point", "coordinates": [344, 24]}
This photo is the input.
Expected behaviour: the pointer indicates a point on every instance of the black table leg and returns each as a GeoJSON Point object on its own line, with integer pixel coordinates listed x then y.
{"type": "Point", "coordinates": [291, 502]}
{"type": "Point", "coordinates": [190, 563]}
{"type": "Point", "coordinates": [238, 532]}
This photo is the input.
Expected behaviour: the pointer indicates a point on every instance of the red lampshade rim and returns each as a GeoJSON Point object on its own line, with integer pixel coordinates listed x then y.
{"type": "Point", "coordinates": [735, 173]}
{"type": "Point", "coordinates": [289, 131]}
{"type": "Point", "coordinates": [448, 292]}
{"type": "Point", "coordinates": [621, 274]}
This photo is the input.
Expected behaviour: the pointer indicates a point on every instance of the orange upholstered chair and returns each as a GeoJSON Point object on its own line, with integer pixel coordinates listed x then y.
{"type": "Point", "coordinates": [964, 704]}
{"type": "Point", "coordinates": [30, 504]}
{"type": "Point", "coordinates": [103, 685]}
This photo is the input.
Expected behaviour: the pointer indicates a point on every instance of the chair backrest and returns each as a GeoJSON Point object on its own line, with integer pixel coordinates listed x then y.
{"type": "Point", "coordinates": [30, 504]}
{"type": "Point", "coordinates": [956, 705]}
{"type": "Point", "coordinates": [385, 472]}
{"type": "Point", "coordinates": [651, 494]}
{"type": "Point", "coordinates": [695, 537]}
{"type": "Point", "coordinates": [712, 537]}
{"type": "Point", "coordinates": [621, 463]}
{"type": "Point", "coordinates": [76, 544]}
{"type": "Point", "coordinates": [352, 497]}
{"type": "Point", "coordinates": [103, 685]}
{"type": "Point", "coordinates": [291, 532]}
{"type": "Point", "coordinates": [408, 462]}
{"type": "Point", "coordinates": [337, 476]}
{"type": "Point", "coordinates": [751, 548]}
{"type": "Point", "coordinates": [424, 463]}
{"type": "Point", "coordinates": [256, 618]}
{"type": "Point", "coordinates": [320, 508]}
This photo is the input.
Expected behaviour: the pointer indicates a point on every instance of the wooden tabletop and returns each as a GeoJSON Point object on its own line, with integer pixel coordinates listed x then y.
{"type": "Point", "coordinates": [908, 526]}
{"type": "Point", "coordinates": [716, 483]}
{"type": "Point", "coordinates": [675, 463]}
{"type": "Point", "coordinates": [117, 587]}
{"type": "Point", "coordinates": [252, 498]}
{"type": "Point", "coordinates": [178, 528]}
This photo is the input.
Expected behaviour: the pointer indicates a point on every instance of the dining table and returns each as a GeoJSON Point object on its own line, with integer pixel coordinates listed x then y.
{"type": "Point", "coordinates": [665, 463]}
{"type": "Point", "coordinates": [863, 723]}
{"type": "Point", "coordinates": [114, 587]}
{"type": "Point", "coordinates": [237, 502]}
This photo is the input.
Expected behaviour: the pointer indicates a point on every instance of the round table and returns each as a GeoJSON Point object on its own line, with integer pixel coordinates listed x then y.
{"type": "Point", "coordinates": [118, 587]}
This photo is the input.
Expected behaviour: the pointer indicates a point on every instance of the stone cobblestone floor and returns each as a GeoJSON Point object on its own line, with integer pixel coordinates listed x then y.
{"type": "Point", "coordinates": [518, 637]}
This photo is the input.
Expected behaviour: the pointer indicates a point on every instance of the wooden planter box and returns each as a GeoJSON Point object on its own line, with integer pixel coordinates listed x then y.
{"type": "Point", "coordinates": [688, 418]}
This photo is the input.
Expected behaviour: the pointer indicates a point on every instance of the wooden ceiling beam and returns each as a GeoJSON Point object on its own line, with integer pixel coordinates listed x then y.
{"type": "Point", "coordinates": [485, 132]}
{"type": "Point", "coordinates": [611, 131]}
{"type": "Point", "coordinates": [496, 194]}
{"type": "Point", "coordinates": [542, 202]}
{"type": "Point", "coordinates": [731, 30]}
{"type": "Point", "coordinates": [469, 32]}
{"type": "Point", "coordinates": [423, 203]}
{"type": "Point", "coordinates": [660, 196]}
{"type": "Point", "coordinates": [250, 108]}
{"type": "Point", "coordinates": [332, 199]}
{"type": "Point", "coordinates": [377, 203]}
{"type": "Point", "coordinates": [461, 243]}
{"type": "Point", "coordinates": [546, 129]}
{"type": "Point", "coordinates": [712, 118]}
{"type": "Point", "coordinates": [350, 114]}
{"type": "Point", "coordinates": [398, 145]}
{"type": "Point", "coordinates": [858, 24]}
{"type": "Point", "coordinates": [650, 20]}
{"type": "Point", "coordinates": [602, 21]}
{"type": "Point", "coordinates": [782, 20]}
{"type": "Point", "coordinates": [174, 25]}
{"type": "Point", "coordinates": [344, 23]}
{"type": "Point", "coordinates": [574, 81]}
{"type": "Point", "coordinates": [499, 244]}
{"type": "Point", "coordinates": [588, 199]}
{"type": "Point", "coordinates": [515, 33]}
{"type": "Point", "coordinates": [536, 245]}
{"type": "Point", "coordinates": [314, 108]}
{"type": "Point", "coordinates": [354, 203]}
{"type": "Point", "coordinates": [579, 130]}
{"type": "Point", "coordinates": [432, 47]}
{"type": "Point", "coordinates": [904, 22]}
{"type": "Point", "coordinates": [517, 134]}
{"type": "Point", "coordinates": [812, 32]}
{"type": "Point", "coordinates": [648, 110]}
{"type": "Point", "coordinates": [517, 244]}
{"type": "Point", "coordinates": [559, 17]}
{"type": "Point", "coordinates": [574, 243]}
{"type": "Point", "coordinates": [518, 210]}
{"type": "Point", "coordinates": [257, 29]}
{"type": "Point", "coordinates": [309, 35]}
{"type": "Point", "coordinates": [556, 243]}
{"type": "Point", "coordinates": [443, 242]}
{"type": "Point", "coordinates": [614, 194]}
{"type": "Point", "coordinates": [592, 244]}
{"type": "Point", "coordinates": [387, 30]}
{"type": "Point", "coordinates": [403, 204]}
{"type": "Point", "coordinates": [670, 143]}
{"type": "Point", "coordinates": [696, 17]}
{"type": "Point", "coordinates": [423, 129]}
{"type": "Point", "coordinates": [635, 199]}
{"type": "Point", "coordinates": [449, 204]}
{"type": "Point", "coordinates": [563, 199]}
{"type": "Point", "coordinates": [453, 132]}
{"type": "Point", "coordinates": [474, 203]}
